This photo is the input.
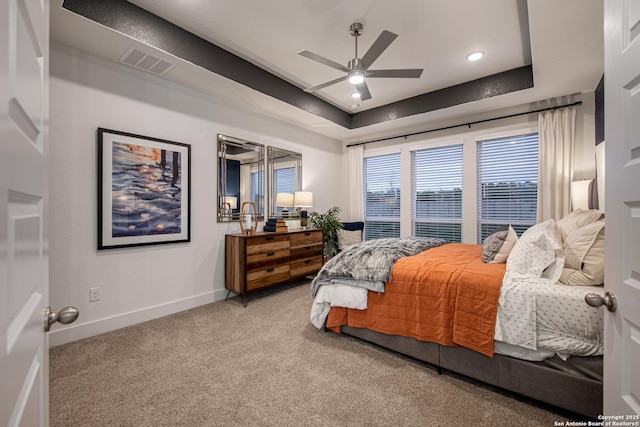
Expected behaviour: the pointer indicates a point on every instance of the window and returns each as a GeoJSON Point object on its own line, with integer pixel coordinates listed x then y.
{"type": "Point", "coordinates": [507, 183]}
{"type": "Point", "coordinates": [436, 186]}
{"type": "Point", "coordinates": [382, 196]}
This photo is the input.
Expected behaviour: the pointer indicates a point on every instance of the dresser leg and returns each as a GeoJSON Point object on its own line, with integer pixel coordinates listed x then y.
{"type": "Point", "coordinates": [245, 301]}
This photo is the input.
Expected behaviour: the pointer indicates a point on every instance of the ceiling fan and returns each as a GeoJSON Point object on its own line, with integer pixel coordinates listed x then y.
{"type": "Point", "coordinates": [357, 69]}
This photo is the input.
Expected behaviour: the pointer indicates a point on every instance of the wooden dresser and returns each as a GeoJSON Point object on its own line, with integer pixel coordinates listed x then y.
{"type": "Point", "coordinates": [266, 259]}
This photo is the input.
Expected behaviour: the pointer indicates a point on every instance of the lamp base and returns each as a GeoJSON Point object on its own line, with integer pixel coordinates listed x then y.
{"type": "Point", "coordinates": [303, 219]}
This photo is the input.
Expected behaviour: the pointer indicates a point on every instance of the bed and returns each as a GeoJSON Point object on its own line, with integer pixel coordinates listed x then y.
{"type": "Point", "coordinates": [509, 313]}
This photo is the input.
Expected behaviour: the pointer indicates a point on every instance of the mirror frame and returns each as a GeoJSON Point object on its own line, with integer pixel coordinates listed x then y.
{"type": "Point", "coordinates": [224, 142]}
{"type": "Point", "coordinates": [274, 153]}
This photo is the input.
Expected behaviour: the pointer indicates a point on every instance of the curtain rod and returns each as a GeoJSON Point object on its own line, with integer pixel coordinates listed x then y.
{"type": "Point", "coordinates": [464, 124]}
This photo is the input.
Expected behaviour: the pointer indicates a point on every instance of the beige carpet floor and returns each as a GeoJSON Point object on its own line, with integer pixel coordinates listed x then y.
{"type": "Point", "coordinates": [264, 365]}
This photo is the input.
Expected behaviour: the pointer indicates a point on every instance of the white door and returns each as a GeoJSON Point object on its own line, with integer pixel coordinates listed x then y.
{"type": "Point", "coordinates": [24, 74]}
{"type": "Point", "coordinates": [622, 165]}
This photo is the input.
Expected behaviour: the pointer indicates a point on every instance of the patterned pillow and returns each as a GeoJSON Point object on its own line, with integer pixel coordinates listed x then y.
{"type": "Point", "coordinates": [492, 244]}
{"type": "Point", "coordinates": [497, 246]}
{"type": "Point", "coordinates": [538, 253]}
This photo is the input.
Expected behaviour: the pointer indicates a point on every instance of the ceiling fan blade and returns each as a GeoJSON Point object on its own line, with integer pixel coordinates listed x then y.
{"type": "Point", "coordinates": [363, 90]}
{"type": "Point", "coordinates": [382, 42]}
{"type": "Point", "coordinates": [323, 85]}
{"type": "Point", "coordinates": [412, 73]}
{"type": "Point", "coordinates": [323, 60]}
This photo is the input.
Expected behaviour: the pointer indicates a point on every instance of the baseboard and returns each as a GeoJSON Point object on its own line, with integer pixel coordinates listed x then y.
{"type": "Point", "coordinates": [96, 327]}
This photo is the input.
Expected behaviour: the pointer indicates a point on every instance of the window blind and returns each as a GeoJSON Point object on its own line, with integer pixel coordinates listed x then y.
{"type": "Point", "coordinates": [436, 187]}
{"type": "Point", "coordinates": [382, 196]}
{"type": "Point", "coordinates": [507, 183]}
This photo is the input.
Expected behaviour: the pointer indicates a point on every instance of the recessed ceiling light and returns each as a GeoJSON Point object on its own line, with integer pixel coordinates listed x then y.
{"type": "Point", "coordinates": [355, 95]}
{"type": "Point", "coordinates": [355, 106]}
{"type": "Point", "coordinates": [474, 56]}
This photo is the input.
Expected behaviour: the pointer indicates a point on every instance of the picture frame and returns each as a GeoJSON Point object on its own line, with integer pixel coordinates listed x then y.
{"type": "Point", "coordinates": [144, 190]}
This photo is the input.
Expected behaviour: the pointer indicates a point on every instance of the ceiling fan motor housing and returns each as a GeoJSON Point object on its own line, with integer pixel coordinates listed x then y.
{"type": "Point", "coordinates": [354, 64]}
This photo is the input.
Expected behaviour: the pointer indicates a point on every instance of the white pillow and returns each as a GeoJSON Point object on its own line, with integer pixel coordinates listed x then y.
{"type": "Point", "coordinates": [578, 219]}
{"type": "Point", "coordinates": [584, 252]}
{"type": "Point", "coordinates": [537, 253]}
{"type": "Point", "coordinates": [348, 238]}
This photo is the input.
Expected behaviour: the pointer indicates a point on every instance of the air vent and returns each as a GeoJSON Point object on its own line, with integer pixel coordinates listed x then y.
{"type": "Point", "coordinates": [145, 61]}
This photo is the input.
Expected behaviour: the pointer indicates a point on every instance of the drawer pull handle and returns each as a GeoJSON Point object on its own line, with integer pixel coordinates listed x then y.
{"type": "Point", "coordinates": [270, 270]}
{"type": "Point", "coordinates": [271, 254]}
{"type": "Point", "coordinates": [269, 238]}
{"type": "Point", "coordinates": [307, 233]}
{"type": "Point", "coordinates": [307, 247]}
{"type": "Point", "coordinates": [307, 261]}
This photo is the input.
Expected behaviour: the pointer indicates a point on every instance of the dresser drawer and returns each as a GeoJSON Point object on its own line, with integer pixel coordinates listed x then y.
{"type": "Point", "coordinates": [262, 278]}
{"type": "Point", "coordinates": [260, 261]}
{"type": "Point", "coordinates": [266, 244]}
{"type": "Point", "coordinates": [308, 251]}
{"type": "Point", "coordinates": [306, 238]}
{"type": "Point", "coordinates": [304, 267]}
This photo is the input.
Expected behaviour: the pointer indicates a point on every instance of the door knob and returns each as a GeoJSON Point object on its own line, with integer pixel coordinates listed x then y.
{"type": "Point", "coordinates": [595, 300]}
{"type": "Point", "coordinates": [65, 316]}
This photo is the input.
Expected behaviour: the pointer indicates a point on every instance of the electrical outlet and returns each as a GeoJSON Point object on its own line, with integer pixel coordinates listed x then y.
{"type": "Point", "coordinates": [95, 294]}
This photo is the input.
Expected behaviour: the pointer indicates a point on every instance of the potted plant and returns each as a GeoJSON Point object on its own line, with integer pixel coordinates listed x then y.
{"type": "Point", "coordinates": [329, 223]}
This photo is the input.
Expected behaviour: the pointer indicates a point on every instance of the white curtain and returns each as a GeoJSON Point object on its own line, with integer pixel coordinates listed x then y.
{"type": "Point", "coordinates": [556, 133]}
{"type": "Point", "coordinates": [355, 183]}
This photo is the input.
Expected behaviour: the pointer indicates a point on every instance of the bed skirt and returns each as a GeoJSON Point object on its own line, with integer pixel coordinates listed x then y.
{"type": "Point", "coordinates": [575, 385]}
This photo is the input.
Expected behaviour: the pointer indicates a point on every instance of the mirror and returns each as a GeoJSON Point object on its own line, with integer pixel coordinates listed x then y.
{"type": "Point", "coordinates": [240, 177]}
{"type": "Point", "coordinates": [285, 176]}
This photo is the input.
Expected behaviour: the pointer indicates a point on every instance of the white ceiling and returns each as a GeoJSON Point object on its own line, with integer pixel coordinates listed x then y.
{"type": "Point", "coordinates": [566, 50]}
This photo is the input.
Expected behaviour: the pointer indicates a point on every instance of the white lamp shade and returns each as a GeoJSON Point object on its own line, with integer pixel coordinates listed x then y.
{"type": "Point", "coordinates": [580, 191]}
{"type": "Point", "coordinates": [284, 199]}
{"type": "Point", "coordinates": [231, 200]}
{"type": "Point", "coordinates": [303, 199]}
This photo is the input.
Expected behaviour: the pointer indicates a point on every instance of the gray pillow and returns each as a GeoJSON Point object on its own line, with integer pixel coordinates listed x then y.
{"type": "Point", "coordinates": [492, 244]}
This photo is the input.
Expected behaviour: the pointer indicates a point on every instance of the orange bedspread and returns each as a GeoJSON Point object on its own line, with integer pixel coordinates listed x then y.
{"type": "Point", "coordinates": [446, 295]}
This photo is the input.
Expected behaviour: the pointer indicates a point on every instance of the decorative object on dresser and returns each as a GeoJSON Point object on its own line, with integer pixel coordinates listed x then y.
{"type": "Point", "coordinates": [303, 200]}
{"type": "Point", "coordinates": [258, 261]}
{"type": "Point", "coordinates": [276, 225]}
{"type": "Point", "coordinates": [248, 218]}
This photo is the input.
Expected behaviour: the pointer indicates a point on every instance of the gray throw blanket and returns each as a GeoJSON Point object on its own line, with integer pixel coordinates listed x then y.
{"type": "Point", "coordinates": [368, 264]}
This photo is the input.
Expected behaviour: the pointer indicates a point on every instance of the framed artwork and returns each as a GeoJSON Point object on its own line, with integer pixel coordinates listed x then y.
{"type": "Point", "coordinates": [144, 191]}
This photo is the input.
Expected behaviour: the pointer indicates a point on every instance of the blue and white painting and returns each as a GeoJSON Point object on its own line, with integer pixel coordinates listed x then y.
{"type": "Point", "coordinates": [145, 191]}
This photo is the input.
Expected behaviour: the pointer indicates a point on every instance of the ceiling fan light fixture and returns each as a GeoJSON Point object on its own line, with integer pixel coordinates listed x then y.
{"type": "Point", "coordinates": [356, 77]}
{"type": "Point", "coordinates": [474, 56]}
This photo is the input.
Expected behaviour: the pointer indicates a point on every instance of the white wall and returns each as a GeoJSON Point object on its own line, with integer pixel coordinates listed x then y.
{"type": "Point", "coordinates": [139, 284]}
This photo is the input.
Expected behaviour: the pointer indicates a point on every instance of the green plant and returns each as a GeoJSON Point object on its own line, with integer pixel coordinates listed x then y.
{"type": "Point", "coordinates": [329, 223]}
